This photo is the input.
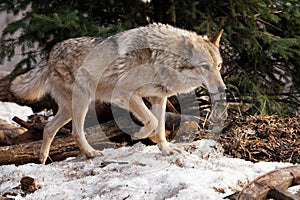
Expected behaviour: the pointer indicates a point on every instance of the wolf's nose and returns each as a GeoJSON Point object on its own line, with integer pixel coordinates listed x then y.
{"type": "Point", "coordinates": [222, 88]}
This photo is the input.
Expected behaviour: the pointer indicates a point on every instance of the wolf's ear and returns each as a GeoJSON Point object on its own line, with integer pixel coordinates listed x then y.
{"type": "Point", "coordinates": [186, 49]}
{"type": "Point", "coordinates": [216, 39]}
{"type": "Point", "coordinates": [186, 39]}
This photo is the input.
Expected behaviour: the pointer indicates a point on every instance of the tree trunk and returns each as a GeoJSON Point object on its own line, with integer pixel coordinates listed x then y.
{"type": "Point", "coordinates": [5, 94]}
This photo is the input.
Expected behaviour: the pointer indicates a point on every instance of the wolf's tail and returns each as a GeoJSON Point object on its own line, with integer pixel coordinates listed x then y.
{"type": "Point", "coordinates": [31, 85]}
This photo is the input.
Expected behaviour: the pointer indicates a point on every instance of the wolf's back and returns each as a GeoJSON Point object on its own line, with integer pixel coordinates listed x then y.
{"type": "Point", "coordinates": [31, 85]}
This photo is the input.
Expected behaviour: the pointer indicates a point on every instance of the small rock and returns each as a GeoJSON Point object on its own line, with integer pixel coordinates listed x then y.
{"type": "Point", "coordinates": [28, 184]}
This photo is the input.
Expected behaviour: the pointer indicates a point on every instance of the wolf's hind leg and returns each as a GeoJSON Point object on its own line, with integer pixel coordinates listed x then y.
{"type": "Point", "coordinates": [159, 111]}
{"type": "Point", "coordinates": [62, 117]}
{"type": "Point", "coordinates": [140, 110]}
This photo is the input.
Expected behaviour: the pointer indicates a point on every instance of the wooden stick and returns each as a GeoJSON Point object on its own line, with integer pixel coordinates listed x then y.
{"type": "Point", "coordinates": [171, 107]}
{"type": "Point", "coordinates": [22, 122]}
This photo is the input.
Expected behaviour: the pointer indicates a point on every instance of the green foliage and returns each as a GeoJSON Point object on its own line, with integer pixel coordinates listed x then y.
{"type": "Point", "coordinates": [49, 22]}
{"type": "Point", "coordinates": [260, 50]}
{"type": "Point", "coordinates": [260, 45]}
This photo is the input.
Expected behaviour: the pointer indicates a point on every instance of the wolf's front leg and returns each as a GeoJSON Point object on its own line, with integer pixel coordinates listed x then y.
{"type": "Point", "coordinates": [140, 110]}
{"type": "Point", "coordinates": [83, 144]}
{"type": "Point", "coordinates": [79, 110]}
{"type": "Point", "coordinates": [159, 111]}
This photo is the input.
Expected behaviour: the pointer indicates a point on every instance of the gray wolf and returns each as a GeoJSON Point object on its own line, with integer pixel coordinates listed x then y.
{"type": "Point", "coordinates": [155, 61]}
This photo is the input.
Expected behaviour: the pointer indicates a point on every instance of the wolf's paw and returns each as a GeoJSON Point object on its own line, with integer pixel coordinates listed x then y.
{"type": "Point", "coordinates": [93, 153]}
{"type": "Point", "coordinates": [144, 132]}
{"type": "Point", "coordinates": [43, 157]}
{"type": "Point", "coordinates": [166, 150]}
{"type": "Point", "coordinates": [139, 135]}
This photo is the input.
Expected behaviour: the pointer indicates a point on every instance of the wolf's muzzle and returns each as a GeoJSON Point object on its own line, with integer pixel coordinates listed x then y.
{"type": "Point", "coordinates": [222, 89]}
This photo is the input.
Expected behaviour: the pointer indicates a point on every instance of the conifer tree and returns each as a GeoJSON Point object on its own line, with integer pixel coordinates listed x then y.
{"type": "Point", "coordinates": [260, 45]}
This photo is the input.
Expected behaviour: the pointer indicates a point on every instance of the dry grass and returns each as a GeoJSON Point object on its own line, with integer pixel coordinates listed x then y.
{"type": "Point", "coordinates": [263, 138]}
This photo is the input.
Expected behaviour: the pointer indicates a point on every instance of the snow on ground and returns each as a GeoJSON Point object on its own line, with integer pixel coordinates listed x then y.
{"type": "Point", "coordinates": [8, 110]}
{"type": "Point", "coordinates": [137, 172]}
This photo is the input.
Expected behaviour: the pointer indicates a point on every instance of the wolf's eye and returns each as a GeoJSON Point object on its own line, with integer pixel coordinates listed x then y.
{"type": "Point", "coordinates": [205, 66]}
{"type": "Point", "coordinates": [219, 66]}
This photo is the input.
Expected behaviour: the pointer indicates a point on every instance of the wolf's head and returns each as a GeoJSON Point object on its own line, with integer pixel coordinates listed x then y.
{"type": "Point", "coordinates": [206, 63]}
{"type": "Point", "coordinates": [205, 60]}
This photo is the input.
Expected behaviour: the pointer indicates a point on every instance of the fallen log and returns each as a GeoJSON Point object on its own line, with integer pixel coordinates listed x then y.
{"type": "Point", "coordinates": [28, 152]}
{"type": "Point", "coordinates": [64, 146]}
{"type": "Point", "coordinates": [272, 185]}
{"type": "Point", "coordinates": [279, 193]}
{"type": "Point", "coordinates": [8, 132]}
{"type": "Point", "coordinates": [35, 130]}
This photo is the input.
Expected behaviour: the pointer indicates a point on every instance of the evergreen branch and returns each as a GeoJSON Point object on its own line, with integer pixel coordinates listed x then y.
{"type": "Point", "coordinates": [269, 24]}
